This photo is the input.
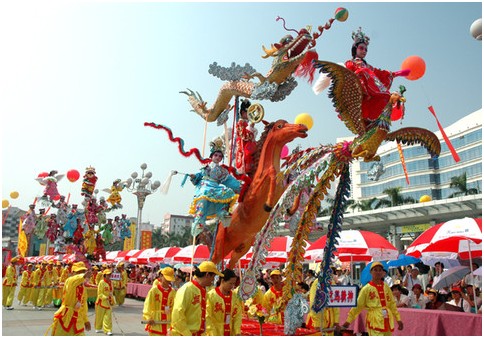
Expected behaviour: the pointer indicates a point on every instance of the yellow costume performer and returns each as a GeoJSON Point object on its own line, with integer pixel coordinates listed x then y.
{"type": "Point", "coordinates": [120, 285]}
{"type": "Point", "coordinates": [377, 298]}
{"type": "Point", "coordinates": [50, 281]}
{"type": "Point", "coordinates": [25, 286]}
{"type": "Point", "coordinates": [159, 304]}
{"type": "Point", "coordinates": [9, 284]}
{"type": "Point", "coordinates": [37, 295]}
{"type": "Point", "coordinates": [71, 318]}
{"type": "Point", "coordinates": [327, 318]}
{"type": "Point", "coordinates": [273, 299]}
{"type": "Point", "coordinates": [224, 308]}
{"type": "Point", "coordinates": [189, 308]}
{"type": "Point", "coordinates": [57, 291]}
{"type": "Point", "coordinates": [105, 299]}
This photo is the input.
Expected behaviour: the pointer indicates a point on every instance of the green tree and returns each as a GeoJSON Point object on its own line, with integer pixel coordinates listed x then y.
{"type": "Point", "coordinates": [396, 198]}
{"type": "Point", "coordinates": [459, 183]}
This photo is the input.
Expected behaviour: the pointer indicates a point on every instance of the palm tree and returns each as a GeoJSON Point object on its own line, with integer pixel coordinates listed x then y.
{"type": "Point", "coordinates": [459, 183]}
{"type": "Point", "coordinates": [396, 198]}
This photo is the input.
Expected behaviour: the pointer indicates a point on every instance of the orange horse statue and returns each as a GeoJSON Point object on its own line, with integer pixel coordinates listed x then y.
{"type": "Point", "coordinates": [263, 193]}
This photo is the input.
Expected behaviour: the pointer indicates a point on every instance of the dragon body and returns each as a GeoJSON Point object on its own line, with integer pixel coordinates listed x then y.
{"type": "Point", "coordinates": [292, 56]}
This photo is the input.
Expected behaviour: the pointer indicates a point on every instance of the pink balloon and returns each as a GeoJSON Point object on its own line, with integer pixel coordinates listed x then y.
{"type": "Point", "coordinates": [284, 151]}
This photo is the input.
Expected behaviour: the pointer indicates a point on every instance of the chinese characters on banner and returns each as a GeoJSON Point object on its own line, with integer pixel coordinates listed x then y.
{"type": "Point", "coordinates": [343, 296]}
{"type": "Point", "coordinates": [145, 239]}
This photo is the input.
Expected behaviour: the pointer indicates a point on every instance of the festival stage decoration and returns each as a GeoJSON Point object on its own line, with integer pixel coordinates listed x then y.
{"type": "Point", "coordinates": [89, 182]}
{"type": "Point", "coordinates": [114, 194]}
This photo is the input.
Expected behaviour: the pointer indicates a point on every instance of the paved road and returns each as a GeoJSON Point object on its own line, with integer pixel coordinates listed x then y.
{"type": "Point", "coordinates": [25, 321]}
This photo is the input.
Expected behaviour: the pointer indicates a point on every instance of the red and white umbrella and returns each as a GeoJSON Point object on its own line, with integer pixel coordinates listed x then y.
{"type": "Point", "coordinates": [111, 255]}
{"type": "Point", "coordinates": [278, 251]}
{"type": "Point", "coordinates": [164, 254]}
{"type": "Point", "coordinates": [199, 253]}
{"type": "Point", "coordinates": [355, 245]}
{"type": "Point", "coordinates": [452, 239]}
{"type": "Point", "coordinates": [244, 260]}
{"type": "Point", "coordinates": [142, 256]}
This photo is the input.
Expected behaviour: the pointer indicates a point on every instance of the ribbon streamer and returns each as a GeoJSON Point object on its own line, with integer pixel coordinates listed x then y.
{"type": "Point", "coordinates": [446, 139]}
{"type": "Point", "coordinates": [402, 159]}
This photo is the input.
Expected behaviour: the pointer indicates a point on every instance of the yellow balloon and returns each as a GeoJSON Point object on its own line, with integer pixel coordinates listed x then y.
{"type": "Point", "coordinates": [14, 194]}
{"type": "Point", "coordinates": [425, 198]}
{"type": "Point", "coordinates": [304, 118]}
{"type": "Point", "coordinates": [5, 204]}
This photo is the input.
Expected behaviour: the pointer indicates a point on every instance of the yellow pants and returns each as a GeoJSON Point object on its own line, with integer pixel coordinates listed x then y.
{"type": "Point", "coordinates": [8, 295]}
{"type": "Point", "coordinates": [120, 294]}
{"type": "Point", "coordinates": [48, 296]}
{"type": "Point", "coordinates": [40, 297]}
{"type": "Point", "coordinates": [24, 295]}
{"type": "Point", "coordinates": [372, 332]}
{"type": "Point", "coordinates": [57, 330]}
{"type": "Point", "coordinates": [104, 319]}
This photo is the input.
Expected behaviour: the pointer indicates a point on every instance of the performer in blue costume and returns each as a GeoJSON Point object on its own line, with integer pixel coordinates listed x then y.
{"type": "Point", "coordinates": [216, 191]}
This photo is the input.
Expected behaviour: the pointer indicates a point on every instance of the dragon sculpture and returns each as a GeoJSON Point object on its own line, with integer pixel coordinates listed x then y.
{"type": "Point", "coordinates": [292, 56]}
{"type": "Point", "coordinates": [323, 165]}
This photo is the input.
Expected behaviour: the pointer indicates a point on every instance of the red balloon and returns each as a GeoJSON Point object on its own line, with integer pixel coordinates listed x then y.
{"type": "Point", "coordinates": [43, 174]}
{"type": "Point", "coordinates": [416, 65]}
{"type": "Point", "coordinates": [73, 175]}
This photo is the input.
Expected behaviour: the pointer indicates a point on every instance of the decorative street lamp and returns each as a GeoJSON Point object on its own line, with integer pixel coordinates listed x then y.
{"type": "Point", "coordinates": [141, 187]}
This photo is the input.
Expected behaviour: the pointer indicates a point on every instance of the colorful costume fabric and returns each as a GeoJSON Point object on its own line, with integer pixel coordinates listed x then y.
{"type": "Point", "coordinates": [215, 193]}
{"type": "Point", "coordinates": [325, 319]}
{"type": "Point", "coordinates": [158, 306]}
{"type": "Point", "coordinates": [8, 286]}
{"type": "Point", "coordinates": [71, 317]}
{"type": "Point", "coordinates": [376, 84]}
{"type": "Point", "coordinates": [189, 310]}
{"type": "Point", "coordinates": [378, 300]}
{"type": "Point", "coordinates": [224, 313]}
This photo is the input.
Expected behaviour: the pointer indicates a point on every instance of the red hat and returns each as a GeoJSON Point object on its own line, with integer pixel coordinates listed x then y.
{"type": "Point", "coordinates": [456, 289]}
{"type": "Point", "coordinates": [417, 285]}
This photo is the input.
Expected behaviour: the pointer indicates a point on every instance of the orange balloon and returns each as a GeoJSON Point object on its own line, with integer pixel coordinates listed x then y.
{"type": "Point", "coordinates": [416, 65]}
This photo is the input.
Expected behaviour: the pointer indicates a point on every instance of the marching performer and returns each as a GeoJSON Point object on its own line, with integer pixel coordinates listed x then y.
{"type": "Point", "coordinates": [25, 286]}
{"type": "Point", "coordinates": [120, 285]}
{"type": "Point", "coordinates": [327, 318]}
{"type": "Point", "coordinates": [159, 303]}
{"type": "Point", "coordinates": [105, 299]}
{"type": "Point", "coordinates": [224, 308]}
{"type": "Point", "coordinates": [10, 283]}
{"type": "Point", "coordinates": [71, 318]}
{"type": "Point", "coordinates": [189, 308]}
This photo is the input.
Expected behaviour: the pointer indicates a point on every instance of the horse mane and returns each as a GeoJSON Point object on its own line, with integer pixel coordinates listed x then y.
{"type": "Point", "coordinates": [260, 143]}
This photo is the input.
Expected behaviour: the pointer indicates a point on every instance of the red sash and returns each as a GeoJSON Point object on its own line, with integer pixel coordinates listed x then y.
{"type": "Point", "coordinates": [381, 294]}
{"type": "Point", "coordinates": [278, 294]}
{"type": "Point", "coordinates": [203, 305]}
{"type": "Point", "coordinates": [164, 302]}
{"type": "Point", "coordinates": [227, 311]}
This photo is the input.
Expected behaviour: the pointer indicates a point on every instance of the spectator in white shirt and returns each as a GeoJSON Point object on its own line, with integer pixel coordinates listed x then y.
{"type": "Point", "coordinates": [458, 301]}
{"type": "Point", "coordinates": [412, 279]}
{"type": "Point", "coordinates": [417, 299]}
{"type": "Point", "coordinates": [401, 300]}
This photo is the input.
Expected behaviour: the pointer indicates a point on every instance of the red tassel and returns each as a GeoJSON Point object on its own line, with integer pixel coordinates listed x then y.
{"type": "Point", "coordinates": [306, 68]}
{"type": "Point", "coordinates": [446, 139]}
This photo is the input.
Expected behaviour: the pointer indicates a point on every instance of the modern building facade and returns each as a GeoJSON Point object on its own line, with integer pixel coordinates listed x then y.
{"type": "Point", "coordinates": [177, 224]}
{"type": "Point", "coordinates": [426, 176]}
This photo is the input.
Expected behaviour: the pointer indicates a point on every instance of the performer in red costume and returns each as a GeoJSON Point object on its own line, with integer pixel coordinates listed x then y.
{"type": "Point", "coordinates": [375, 82]}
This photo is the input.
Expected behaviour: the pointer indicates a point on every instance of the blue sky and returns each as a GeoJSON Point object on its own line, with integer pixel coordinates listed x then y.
{"type": "Point", "coordinates": [80, 79]}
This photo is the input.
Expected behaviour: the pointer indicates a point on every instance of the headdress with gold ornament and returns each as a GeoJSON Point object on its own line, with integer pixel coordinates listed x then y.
{"type": "Point", "coordinates": [360, 37]}
{"type": "Point", "coordinates": [90, 169]}
{"type": "Point", "coordinates": [217, 144]}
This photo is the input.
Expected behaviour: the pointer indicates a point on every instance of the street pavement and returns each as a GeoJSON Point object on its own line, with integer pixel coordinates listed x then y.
{"type": "Point", "coordinates": [25, 321]}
